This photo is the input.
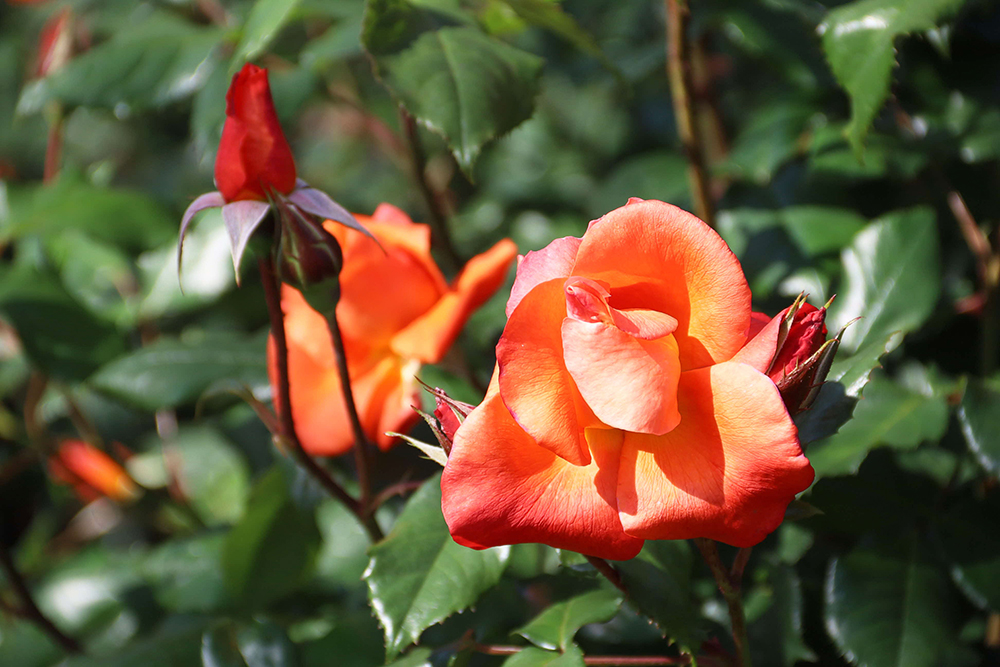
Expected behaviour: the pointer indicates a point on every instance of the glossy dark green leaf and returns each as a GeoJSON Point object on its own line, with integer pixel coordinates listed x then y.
{"type": "Point", "coordinates": [979, 415]}
{"type": "Point", "coordinates": [271, 551]}
{"type": "Point", "coordinates": [59, 335]}
{"type": "Point", "coordinates": [462, 84]}
{"type": "Point", "coordinates": [418, 575]}
{"type": "Point", "coordinates": [186, 575]}
{"type": "Point", "coordinates": [173, 372]}
{"type": "Point", "coordinates": [555, 627]}
{"type": "Point", "coordinates": [887, 414]}
{"type": "Point", "coordinates": [533, 656]}
{"type": "Point", "coordinates": [891, 275]}
{"type": "Point", "coordinates": [266, 19]}
{"type": "Point", "coordinates": [265, 644]}
{"type": "Point", "coordinates": [968, 535]}
{"type": "Point", "coordinates": [892, 605]}
{"type": "Point", "coordinates": [859, 38]}
{"type": "Point", "coordinates": [153, 63]}
{"type": "Point", "coordinates": [659, 587]}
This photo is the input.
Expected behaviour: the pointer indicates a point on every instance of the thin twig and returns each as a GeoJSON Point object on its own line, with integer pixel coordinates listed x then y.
{"type": "Point", "coordinates": [740, 564]}
{"type": "Point", "coordinates": [608, 571]}
{"type": "Point", "coordinates": [37, 384]}
{"type": "Point", "coordinates": [730, 590]}
{"type": "Point", "coordinates": [361, 461]}
{"type": "Point", "coordinates": [53, 148]}
{"type": "Point", "coordinates": [440, 236]}
{"type": "Point", "coordinates": [28, 609]}
{"type": "Point", "coordinates": [273, 298]}
{"type": "Point", "coordinates": [397, 489]}
{"type": "Point", "coordinates": [974, 237]}
{"type": "Point", "coordinates": [679, 73]}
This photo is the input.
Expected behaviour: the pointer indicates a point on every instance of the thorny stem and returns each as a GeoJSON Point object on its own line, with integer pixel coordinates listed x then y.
{"type": "Point", "coordinates": [607, 660]}
{"type": "Point", "coordinates": [287, 422]}
{"type": "Point", "coordinates": [360, 440]}
{"type": "Point", "coordinates": [729, 585]}
{"type": "Point", "coordinates": [679, 73]}
{"type": "Point", "coordinates": [440, 236]}
{"type": "Point", "coordinates": [28, 609]}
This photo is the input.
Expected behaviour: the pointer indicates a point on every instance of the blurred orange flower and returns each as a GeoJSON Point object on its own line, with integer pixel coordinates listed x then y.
{"type": "Point", "coordinates": [91, 472]}
{"type": "Point", "coordinates": [396, 312]}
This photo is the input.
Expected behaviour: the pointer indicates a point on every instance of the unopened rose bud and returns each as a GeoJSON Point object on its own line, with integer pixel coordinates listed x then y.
{"type": "Point", "coordinates": [91, 472]}
{"type": "Point", "coordinates": [803, 355]}
{"type": "Point", "coordinates": [309, 259]}
{"type": "Point", "coordinates": [447, 417]}
{"type": "Point", "coordinates": [55, 44]}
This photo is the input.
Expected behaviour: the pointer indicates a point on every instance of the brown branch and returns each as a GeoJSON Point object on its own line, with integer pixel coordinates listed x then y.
{"type": "Point", "coordinates": [730, 589]}
{"type": "Point", "coordinates": [287, 422]}
{"type": "Point", "coordinates": [28, 609]}
{"type": "Point", "coordinates": [361, 461]}
{"type": "Point", "coordinates": [440, 236]}
{"type": "Point", "coordinates": [679, 73]}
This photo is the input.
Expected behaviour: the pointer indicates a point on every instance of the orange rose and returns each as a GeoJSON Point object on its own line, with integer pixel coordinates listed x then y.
{"type": "Point", "coordinates": [396, 312]}
{"type": "Point", "coordinates": [618, 412]}
{"type": "Point", "coordinates": [91, 472]}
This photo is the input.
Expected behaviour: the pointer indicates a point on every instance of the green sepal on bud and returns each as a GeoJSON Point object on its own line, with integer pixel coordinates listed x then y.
{"type": "Point", "coordinates": [309, 258]}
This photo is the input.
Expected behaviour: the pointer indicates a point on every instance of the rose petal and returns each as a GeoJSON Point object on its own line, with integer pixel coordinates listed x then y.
{"type": "Point", "coordinates": [499, 487]}
{"type": "Point", "coordinates": [553, 261]}
{"type": "Point", "coordinates": [759, 351]}
{"type": "Point", "coordinates": [727, 472]}
{"type": "Point", "coordinates": [534, 382]}
{"type": "Point", "coordinates": [659, 257]}
{"type": "Point", "coordinates": [428, 337]}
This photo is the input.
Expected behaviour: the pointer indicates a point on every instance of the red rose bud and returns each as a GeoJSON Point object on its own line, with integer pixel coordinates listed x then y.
{"type": "Point", "coordinates": [55, 44]}
{"type": "Point", "coordinates": [309, 259]}
{"type": "Point", "coordinates": [91, 472]}
{"type": "Point", "coordinates": [254, 156]}
{"type": "Point", "coordinates": [447, 417]}
{"type": "Point", "coordinates": [803, 355]}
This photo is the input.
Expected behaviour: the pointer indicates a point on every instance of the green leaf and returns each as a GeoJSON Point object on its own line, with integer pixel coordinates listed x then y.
{"type": "Point", "coordinates": [979, 415]}
{"type": "Point", "coordinates": [418, 575]}
{"type": "Point", "coordinates": [892, 279]}
{"type": "Point", "coordinates": [177, 642]}
{"type": "Point", "coordinates": [657, 175]}
{"type": "Point", "coordinates": [536, 657]}
{"type": "Point", "coordinates": [266, 19]}
{"type": "Point", "coordinates": [549, 15]}
{"type": "Point", "coordinates": [161, 60]}
{"type": "Point", "coordinates": [466, 86]}
{"type": "Point", "coordinates": [821, 229]}
{"type": "Point", "coordinates": [659, 585]}
{"type": "Point", "coordinates": [173, 372]}
{"type": "Point", "coordinates": [219, 647]}
{"type": "Point", "coordinates": [59, 335]}
{"type": "Point", "coordinates": [185, 575]}
{"type": "Point", "coordinates": [126, 219]}
{"type": "Point", "coordinates": [776, 635]}
{"type": "Point", "coordinates": [968, 535]}
{"type": "Point", "coordinates": [271, 551]}
{"type": "Point", "coordinates": [264, 644]}
{"type": "Point", "coordinates": [419, 657]}
{"type": "Point", "coordinates": [858, 39]}
{"type": "Point", "coordinates": [888, 414]}
{"type": "Point", "coordinates": [767, 142]}
{"type": "Point", "coordinates": [892, 606]}
{"type": "Point", "coordinates": [555, 627]}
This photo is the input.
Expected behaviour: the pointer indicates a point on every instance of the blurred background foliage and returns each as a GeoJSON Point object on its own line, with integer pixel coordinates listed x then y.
{"type": "Point", "coordinates": [852, 148]}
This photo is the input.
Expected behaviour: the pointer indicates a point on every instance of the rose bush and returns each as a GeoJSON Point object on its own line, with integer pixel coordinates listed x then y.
{"type": "Point", "coordinates": [624, 407]}
{"type": "Point", "coordinates": [396, 312]}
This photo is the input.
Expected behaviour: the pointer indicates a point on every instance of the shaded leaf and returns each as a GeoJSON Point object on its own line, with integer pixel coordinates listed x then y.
{"type": "Point", "coordinates": [979, 415]}
{"type": "Point", "coordinates": [173, 372]}
{"type": "Point", "coordinates": [266, 19]}
{"type": "Point", "coordinates": [265, 644]}
{"type": "Point", "coordinates": [186, 575]}
{"type": "Point", "coordinates": [533, 656]}
{"type": "Point", "coordinates": [555, 627]}
{"type": "Point", "coordinates": [968, 535]}
{"type": "Point", "coordinates": [418, 575]}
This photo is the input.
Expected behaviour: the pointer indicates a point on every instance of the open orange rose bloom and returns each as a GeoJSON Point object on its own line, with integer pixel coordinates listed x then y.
{"type": "Point", "coordinates": [622, 409]}
{"type": "Point", "coordinates": [396, 312]}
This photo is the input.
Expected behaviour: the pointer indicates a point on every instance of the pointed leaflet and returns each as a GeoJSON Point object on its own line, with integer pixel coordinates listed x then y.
{"type": "Point", "coordinates": [418, 575]}
{"type": "Point", "coordinates": [466, 86]}
{"type": "Point", "coordinates": [555, 627]}
{"type": "Point", "coordinates": [858, 39]}
{"type": "Point", "coordinates": [242, 218]}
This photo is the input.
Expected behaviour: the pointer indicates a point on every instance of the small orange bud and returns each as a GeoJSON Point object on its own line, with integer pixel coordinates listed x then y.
{"type": "Point", "coordinates": [91, 472]}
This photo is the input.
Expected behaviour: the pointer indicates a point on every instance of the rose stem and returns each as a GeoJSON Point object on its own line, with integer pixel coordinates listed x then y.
{"type": "Point", "coordinates": [53, 147]}
{"type": "Point", "coordinates": [28, 609]}
{"type": "Point", "coordinates": [729, 585]}
{"type": "Point", "coordinates": [440, 237]}
{"type": "Point", "coordinates": [271, 295]}
{"type": "Point", "coordinates": [679, 73]}
{"type": "Point", "coordinates": [360, 440]}
{"type": "Point", "coordinates": [608, 571]}
{"type": "Point", "coordinates": [608, 660]}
